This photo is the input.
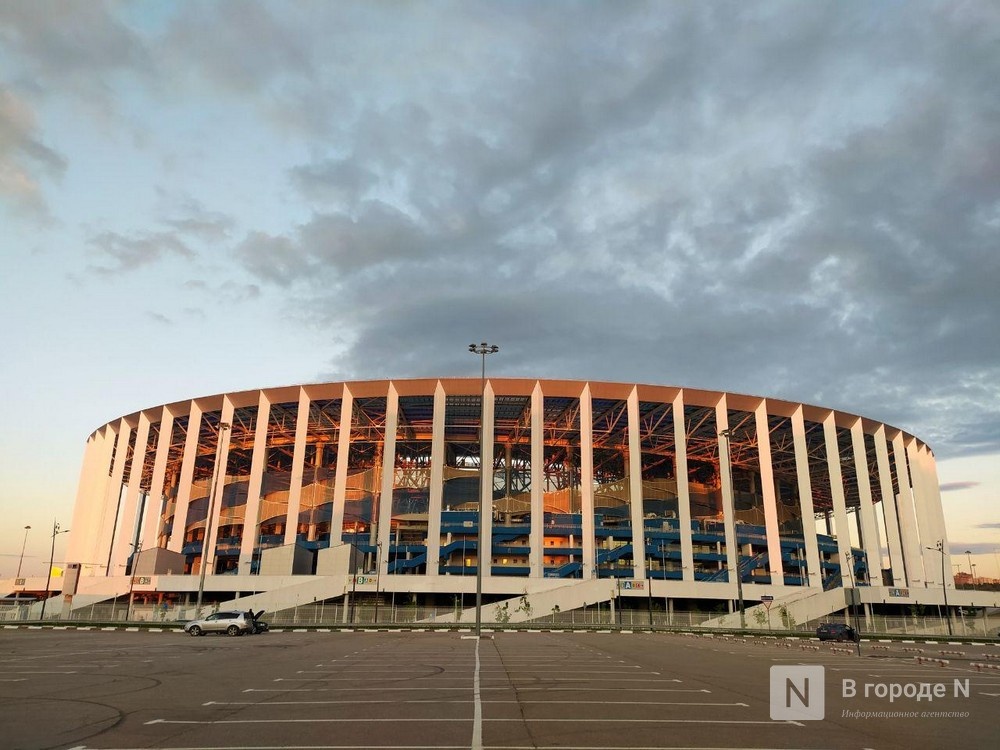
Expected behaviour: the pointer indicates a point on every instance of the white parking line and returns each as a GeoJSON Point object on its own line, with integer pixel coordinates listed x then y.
{"type": "Point", "coordinates": [329, 720]}
{"type": "Point", "coordinates": [426, 747]}
{"type": "Point", "coordinates": [436, 700]}
{"type": "Point", "coordinates": [477, 724]}
{"type": "Point", "coordinates": [549, 680]}
{"type": "Point", "coordinates": [325, 720]}
{"type": "Point", "coordinates": [520, 689]}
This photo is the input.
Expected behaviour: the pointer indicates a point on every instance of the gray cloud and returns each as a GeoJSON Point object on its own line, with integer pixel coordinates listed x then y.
{"type": "Point", "coordinates": [958, 486]}
{"type": "Point", "coordinates": [796, 200]}
{"type": "Point", "coordinates": [699, 200]}
{"type": "Point", "coordinates": [129, 253]}
{"type": "Point", "coordinates": [24, 159]}
{"type": "Point", "coordinates": [158, 317]}
{"type": "Point", "coordinates": [976, 548]}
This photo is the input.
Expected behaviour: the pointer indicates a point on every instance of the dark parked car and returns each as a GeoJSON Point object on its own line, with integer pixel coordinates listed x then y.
{"type": "Point", "coordinates": [259, 626]}
{"type": "Point", "coordinates": [837, 631]}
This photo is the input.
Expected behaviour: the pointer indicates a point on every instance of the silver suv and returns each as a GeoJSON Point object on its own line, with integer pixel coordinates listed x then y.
{"type": "Point", "coordinates": [230, 623]}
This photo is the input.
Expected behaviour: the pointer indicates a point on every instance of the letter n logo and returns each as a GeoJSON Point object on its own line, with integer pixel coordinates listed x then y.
{"type": "Point", "coordinates": [797, 693]}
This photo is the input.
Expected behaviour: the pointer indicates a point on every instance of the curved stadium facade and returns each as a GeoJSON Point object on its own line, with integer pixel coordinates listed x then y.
{"type": "Point", "coordinates": [591, 491]}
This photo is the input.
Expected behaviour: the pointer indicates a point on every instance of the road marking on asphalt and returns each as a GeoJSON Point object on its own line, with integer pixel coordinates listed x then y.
{"type": "Point", "coordinates": [24, 671]}
{"type": "Point", "coordinates": [325, 720]}
{"type": "Point", "coordinates": [484, 688]}
{"type": "Point", "coordinates": [477, 723]}
{"type": "Point", "coordinates": [437, 678]}
{"type": "Point", "coordinates": [467, 701]}
{"type": "Point", "coordinates": [479, 746]}
{"type": "Point", "coordinates": [425, 747]}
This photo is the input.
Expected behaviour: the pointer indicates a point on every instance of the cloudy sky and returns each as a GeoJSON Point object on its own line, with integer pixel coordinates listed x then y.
{"type": "Point", "coordinates": [798, 200]}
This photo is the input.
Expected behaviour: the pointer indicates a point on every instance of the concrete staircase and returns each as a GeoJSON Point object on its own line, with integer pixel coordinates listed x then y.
{"type": "Point", "coordinates": [540, 603]}
{"type": "Point", "coordinates": [802, 606]}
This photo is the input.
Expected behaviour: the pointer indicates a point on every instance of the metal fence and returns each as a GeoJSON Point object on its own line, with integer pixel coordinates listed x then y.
{"type": "Point", "coordinates": [321, 614]}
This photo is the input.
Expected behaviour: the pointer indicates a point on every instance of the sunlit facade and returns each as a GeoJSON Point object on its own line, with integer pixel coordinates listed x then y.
{"type": "Point", "coordinates": [583, 480]}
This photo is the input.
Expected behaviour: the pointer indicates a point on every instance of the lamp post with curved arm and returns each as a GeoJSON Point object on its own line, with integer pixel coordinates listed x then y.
{"type": "Point", "coordinates": [939, 548]}
{"type": "Point", "coordinates": [19, 561]}
{"type": "Point", "coordinates": [56, 531]}
{"type": "Point", "coordinates": [482, 349]}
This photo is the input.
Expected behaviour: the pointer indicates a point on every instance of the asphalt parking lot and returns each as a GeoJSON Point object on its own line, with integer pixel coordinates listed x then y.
{"type": "Point", "coordinates": [402, 690]}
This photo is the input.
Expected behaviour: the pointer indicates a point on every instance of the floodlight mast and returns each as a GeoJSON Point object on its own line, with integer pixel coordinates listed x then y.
{"type": "Point", "coordinates": [482, 350]}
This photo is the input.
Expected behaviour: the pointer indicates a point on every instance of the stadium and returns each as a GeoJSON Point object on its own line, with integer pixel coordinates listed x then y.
{"type": "Point", "coordinates": [578, 494]}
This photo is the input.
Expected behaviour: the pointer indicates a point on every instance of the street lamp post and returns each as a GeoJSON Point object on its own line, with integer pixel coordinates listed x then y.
{"type": "Point", "coordinates": [482, 350]}
{"type": "Point", "coordinates": [137, 552]}
{"type": "Point", "coordinates": [19, 561]}
{"type": "Point", "coordinates": [52, 556]}
{"type": "Point", "coordinates": [972, 573]}
{"type": "Point", "coordinates": [939, 548]}
{"type": "Point", "coordinates": [731, 510]}
{"type": "Point", "coordinates": [378, 577]}
{"type": "Point", "coordinates": [854, 607]}
{"type": "Point", "coordinates": [223, 426]}
{"type": "Point", "coordinates": [354, 575]}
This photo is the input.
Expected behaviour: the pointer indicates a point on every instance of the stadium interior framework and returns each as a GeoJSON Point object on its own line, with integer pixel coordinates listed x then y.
{"type": "Point", "coordinates": [577, 492]}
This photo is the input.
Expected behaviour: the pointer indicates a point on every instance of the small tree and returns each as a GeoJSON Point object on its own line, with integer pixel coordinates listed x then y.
{"type": "Point", "coordinates": [502, 615]}
{"type": "Point", "coordinates": [786, 617]}
{"type": "Point", "coordinates": [525, 605]}
{"type": "Point", "coordinates": [760, 616]}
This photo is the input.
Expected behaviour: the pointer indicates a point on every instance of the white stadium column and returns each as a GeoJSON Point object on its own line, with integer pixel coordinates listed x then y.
{"type": "Point", "coordinates": [128, 516]}
{"type": "Point", "coordinates": [866, 510]}
{"type": "Point", "coordinates": [343, 462]}
{"type": "Point", "coordinates": [100, 491]}
{"type": "Point", "coordinates": [726, 478]}
{"type": "Point", "coordinates": [110, 523]}
{"type": "Point", "coordinates": [683, 489]}
{"type": "Point", "coordinates": [179, 527]}
{"type": "Point", "coordinates": [837, 494]}
{"type": "Point", "coordinates": [762, 426]}
{"type": "Point", "coordinates": [152, 519]}
{"type": "Point", "coordinates": [86, 514]}
{"type": "Point", "coordinates": [889, 508]}
{"type": "Point", "coordinates": [935, 508]}
{"type": "Point", "coordinates": [635, 486]}
{"type": "Point", "coordinates": [436, 500]}
{"type": "Point", "coordinates": [927, 533]}
{"type": "Point", "coordinates": [814, 572]}
{"type": "Point", "coordinates": [258, 463]}
{"type": "Point", "coordinates": [298, 461]}
{"type": "Point", "coordinates": [222, 459]}
{"type": "Point", "coordinates": [388, 477]}
{"type": "Point", "coordinates": [537, 539]}
{"type": "Point", "coordinates": [913, 554]}
{"type": "Point", "coordinates": [587, 483]}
